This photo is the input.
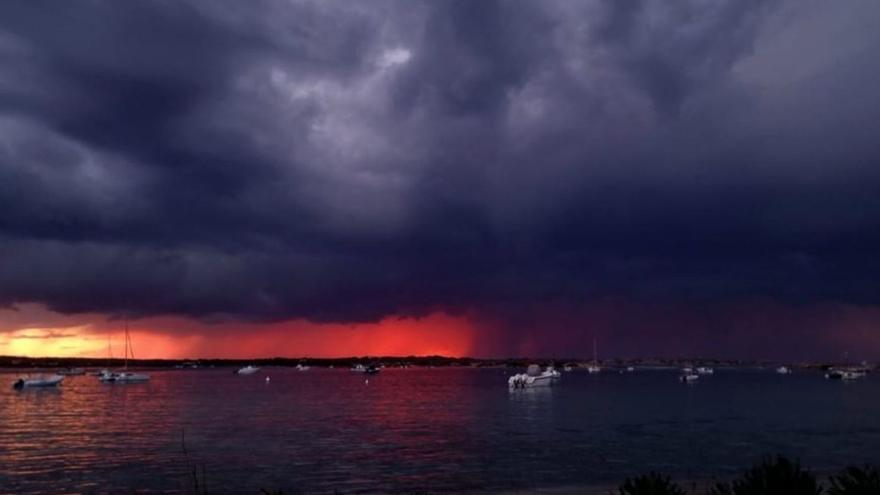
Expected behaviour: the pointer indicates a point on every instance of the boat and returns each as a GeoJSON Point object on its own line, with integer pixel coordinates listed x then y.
{"type": "Point", "coordinates": [124, 376]}
{"type": "Point", "coordinates": [567, 367]}
{"type": "Point", "coordinates": [534, 377]}
{"type": "Point", "coordinates": [783, 370]}
{"type": "Point", "coordinates": [302, 367]}
{"type": "Point", "coordinates": [630, 369]}
{"type": "Point", "coordinates": [39, 381]}
{"type": "Point", "coordinates": [594, 367]}
{"type": "Point", "coordinates": [703, 370]}
{"type": "Point", "coordinates": [688, 377]}
{"type": "Point", "coordinates": [846, 374]}
{"type": "Point", "coordinates": [247, 370]}
{"type": "Point", "coordinates": [371, 369]}
{"type": "Point", "coordinates": [72, 372]}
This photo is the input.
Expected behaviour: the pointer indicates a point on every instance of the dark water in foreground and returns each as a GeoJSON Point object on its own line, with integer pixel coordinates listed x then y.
{"type": "Point", "coordinates": [420, 429]}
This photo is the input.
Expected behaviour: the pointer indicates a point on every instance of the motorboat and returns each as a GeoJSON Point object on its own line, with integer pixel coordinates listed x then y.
{"type": "Point", "coordinates": [688, 378]}
{"type": "Point", "coordinates": [247, 370]}
{"type": "Point", "coordinates": [534, 377]}
{"type": "Point", "coordinates": [783, 370]}
{"type": "Point", "coordinates": [359, 368]}
{"type": "Point", "coordinates": [703, 370]}
{"type": "Point", "coordinates": [845, 374]}
{"type": "Point", "coordinates": [39, 381]}
{"type": "Point", "coordinates": [302, 367]}
{"type": "Point", "coordinates": [371, 369]}
{"type": "Point", "coordinates": [630, 369]}
{"type": "Point", "coordinates": [123, 377]}
{"type": "Point", "coordinates": [72, 372]}
{"type": "Point", "coordinates": [593, 369]}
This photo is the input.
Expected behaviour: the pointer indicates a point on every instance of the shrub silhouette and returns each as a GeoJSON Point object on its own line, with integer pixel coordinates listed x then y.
{"type": "Point", "coordinates": [650, 484]}
{"type": "Point", "coordinates": [774, 476]}
{"type": "Point", "coordinates": [856, 481]}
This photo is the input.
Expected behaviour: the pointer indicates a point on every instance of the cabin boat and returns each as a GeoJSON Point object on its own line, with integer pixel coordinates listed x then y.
{"type": "Point", "coordinates": [371, 369]}
{"type": "Point", "coordinates": [302, 367]}
{"type": "Point", "coordinates": [72, 372]}
{"type": "Point", "coordinates": [124, 376]}
{"type": "Point", "coordinates": [688, 378]}
{"type": "Point", "coordinates": [247, 370]}
{"type": "Point", "coordinates": [703, 370]}
{"type": "Point", "coordinates": [783, 370]}
{"type": "Point", "coordinates": [534, 377]}
{"type": "Point", "coordinates": [845, 373]}
{"type": "Point", "coordinates": [39, 381]}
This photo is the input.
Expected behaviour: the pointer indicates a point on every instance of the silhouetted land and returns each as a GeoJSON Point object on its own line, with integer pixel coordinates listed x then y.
{"type": "Point", "coordinates": [391, 361]}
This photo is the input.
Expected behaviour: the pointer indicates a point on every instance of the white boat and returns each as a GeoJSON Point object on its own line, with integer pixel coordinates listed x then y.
{"type": "Point", "coordinates": [247, 370]}
{"type": "Point", "coordinates": [359, 368]}
{"type": "Point", "coordinates": [38, 381]}
{"type": "Point", "coordinates": [124, 376]}
{"type": "Point", "coordinates": [594, 367]}
{"type": "Point", "coordinates": [783, 370]}
{"type": "Point", "coordinates": [630, 369]}
{"type": "Point", "coordinates": [567, 367]}
{"type": "Point", "coordinates": [703, 370]}
{"type": "Point", "coordinates": [72, 372]}
{"type": "Point", "coordinates": [534, 377]}
{"type": "Point", "coordinates": [846, 373]}
{"type": "Point", "coordinates": [688, 378]}
{"type": "Point", "coordinates": [302, 367]}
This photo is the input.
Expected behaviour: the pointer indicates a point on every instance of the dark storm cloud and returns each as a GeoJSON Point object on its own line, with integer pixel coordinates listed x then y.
{"type": "Point", "coordinates": [340, 161]}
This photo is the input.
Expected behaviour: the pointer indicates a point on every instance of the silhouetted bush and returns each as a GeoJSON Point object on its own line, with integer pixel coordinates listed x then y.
{"type": "Point", "coordinates": [774, 476]}
{"type": "Point", "coordinates": [856, 481]}
{"type": "Point", "coordinates": [650, 484]}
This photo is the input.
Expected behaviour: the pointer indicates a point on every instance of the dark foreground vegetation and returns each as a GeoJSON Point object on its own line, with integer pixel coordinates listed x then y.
{"type": "Point", "coordinates": [772, 476]}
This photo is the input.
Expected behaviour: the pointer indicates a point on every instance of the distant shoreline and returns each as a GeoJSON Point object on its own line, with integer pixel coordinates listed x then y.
{"type": "Point", "coordinates": [397, 361]}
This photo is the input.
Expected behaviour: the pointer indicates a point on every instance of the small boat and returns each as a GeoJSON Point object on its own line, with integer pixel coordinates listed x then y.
{"type": "Point", "coordinates": [302, 367]}
{"type": "Point", "coordinates": [39, 381]}
{"type": "Point", "coordinates": [359, 368]}
{"type": "Point", "coordinates": [247, 370]}
{"type": "Point", "coordinates": [630, 369]}
{"type": "Point", "coordinates": [594, 367]}
{"type": "Point", "coordinates": [688, 378]}
{"type": "Point", "coordinates": [534, 377]}
{"type": "Point", "coordinates": [783, 370]}
{"type": "Point", "coordinates": [72, 372]}
{"type": "Point", "coordinates": [703, 370]}
{"type": "Point", "coordinates": [846, 374]}
{"type": "Point", "coordinates": [687, 370]}
{"type": "Point", "coordinates": [371, 370]}
{"type": "Point", "coordinates": [567, 367]}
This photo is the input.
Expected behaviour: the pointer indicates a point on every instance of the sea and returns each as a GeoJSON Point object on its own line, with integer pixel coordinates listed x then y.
{"type": "Point", "coordinates": [421, 430]}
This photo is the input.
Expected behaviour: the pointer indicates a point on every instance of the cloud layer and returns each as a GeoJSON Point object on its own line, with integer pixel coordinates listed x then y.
{"type": "Point", "coordinates": [342, 162]}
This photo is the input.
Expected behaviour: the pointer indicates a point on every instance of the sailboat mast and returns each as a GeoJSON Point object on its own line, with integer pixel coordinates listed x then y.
{"type": "Point", "coordinates": [126, 343]}
{"type": "Point", "coordinates": [595, 356]}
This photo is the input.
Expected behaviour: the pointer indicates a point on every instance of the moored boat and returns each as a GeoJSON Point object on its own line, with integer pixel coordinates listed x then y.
{"type": "Point", "coordinates": [703, 370]}
{"type": "Point", "coordinates": [688, 378]}
{"type": "Point", "coordinates": [783, 370]}
{"type": "Point", "coordinates": [533, 377]}
{"type": "Point", "coordinates": [38, 381]}
{"type": "Point", "coordinates": [247, 370]}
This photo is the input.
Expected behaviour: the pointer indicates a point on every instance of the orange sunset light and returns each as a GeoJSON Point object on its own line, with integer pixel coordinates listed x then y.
{"type": "Point", "coordinates": [178, 338]}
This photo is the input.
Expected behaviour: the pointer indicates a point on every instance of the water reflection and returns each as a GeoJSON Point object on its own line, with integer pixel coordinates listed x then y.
{"type": "Point", "coordinates": [415, 429]}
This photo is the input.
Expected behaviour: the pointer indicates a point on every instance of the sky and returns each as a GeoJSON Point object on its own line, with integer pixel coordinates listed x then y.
{"type": "Point", "coordinates": [510, 178]}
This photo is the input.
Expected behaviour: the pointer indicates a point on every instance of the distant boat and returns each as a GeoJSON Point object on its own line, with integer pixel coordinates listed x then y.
{"type": "Point", "coordinates": [302, 367]}
{"type": "Point", "coordinates": [783, 370]}
{"type": "Point", "coordinates": [687, 370]}
{"type": "Point", "coordinates": [39, 381]}
{"type": "Point", "coordinates": [534, 377]}
{"type": "Point", "coordinates": [688, 378]}
{"type": "Point", "coordinates": [371, 369]}
{"type": "Point", "coordinates": [703, 370]}
{"type": "Point", "coordinates": [247, 370]}
{"type": "Point", "coordinates": [567, 367]}
{"type": "Point", "coordinates": [594, 367]}
{"type": "Point", "coordinates": [124, 376]}
{"type": "Point", "coordinates": [630, 369]}
{"type": "Point", "coordinates": [846, 374]}
{"type": "Point", "coordinates": [72, 372]}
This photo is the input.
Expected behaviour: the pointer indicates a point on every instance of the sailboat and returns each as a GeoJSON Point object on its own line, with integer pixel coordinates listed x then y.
{"type": "Point", "coordinates": [124, 376]}
{"type": "Point", "coordinates": [594, 366]}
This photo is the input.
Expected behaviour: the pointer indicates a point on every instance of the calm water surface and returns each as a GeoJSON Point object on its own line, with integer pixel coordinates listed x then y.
{"type": "Point", "coordinates": [420, 429]}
